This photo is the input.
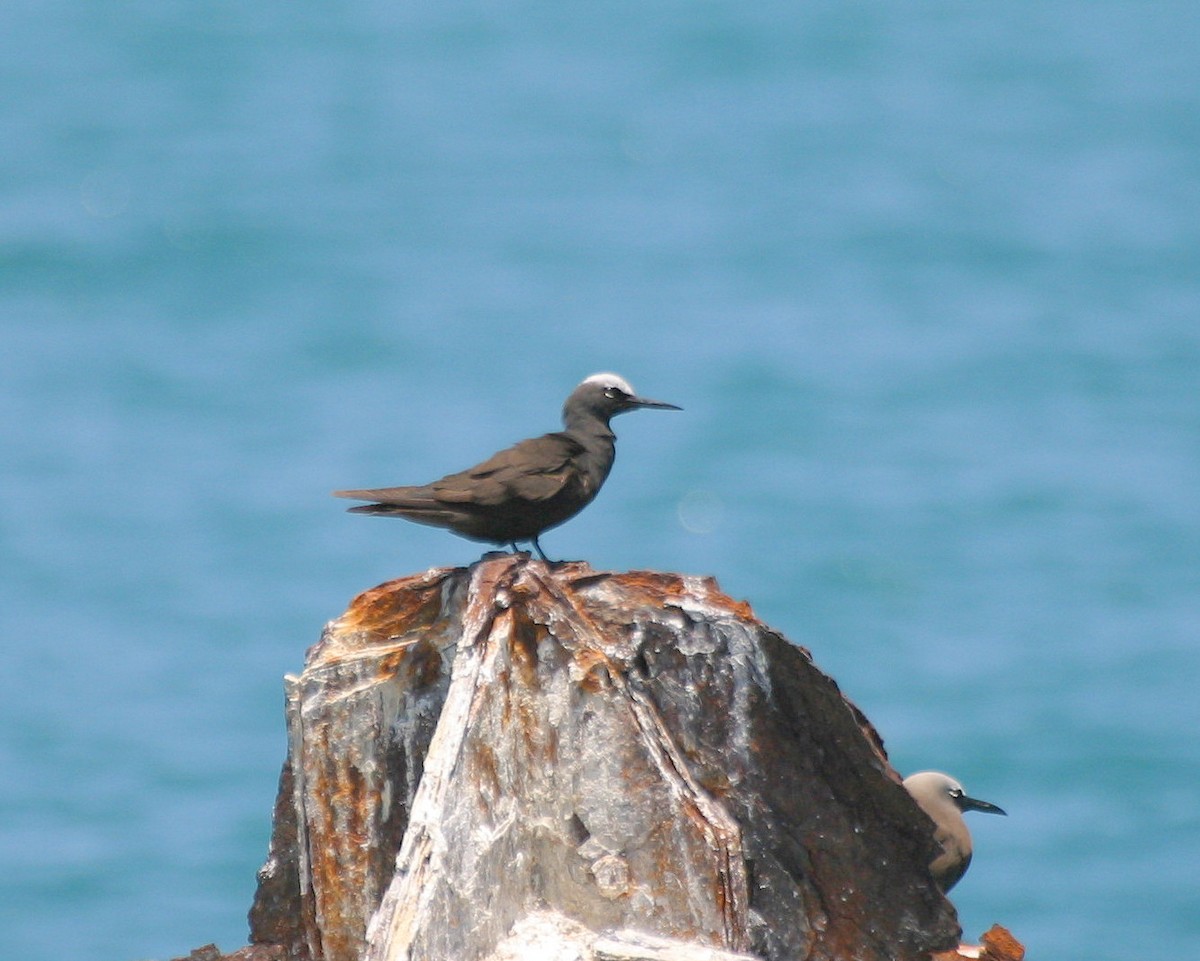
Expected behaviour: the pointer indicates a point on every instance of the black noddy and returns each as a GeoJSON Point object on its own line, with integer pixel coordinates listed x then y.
{"type": "Point", "coordinates": [532, 486]}
{"type": "Point", "coordinates": [943, 799]}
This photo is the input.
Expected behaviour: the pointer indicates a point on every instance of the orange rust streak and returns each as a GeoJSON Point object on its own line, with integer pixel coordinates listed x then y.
{"type": "Point", "coordinates": [525, 636]}
{"type": "Point", "coordinates": [399, 606]}
{"type": "Point", "coordinates": [339, 858]}
{"type": "Point", "coordinates": [656, 588]}
{"type": "Point", "coordinates": [489, 776]}
{"type": "Point", "coordinates": [1000, 945]}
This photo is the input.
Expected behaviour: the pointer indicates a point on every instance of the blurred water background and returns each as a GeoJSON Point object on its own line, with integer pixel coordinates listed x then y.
{"type": "Point", "coordinates": [924, 277]}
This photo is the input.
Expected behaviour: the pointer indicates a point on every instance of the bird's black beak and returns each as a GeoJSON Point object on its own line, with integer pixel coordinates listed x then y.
{"type": "Point", "coordinates": [974, 804]}
{"type": "Point", "coordinates": [634, 402]}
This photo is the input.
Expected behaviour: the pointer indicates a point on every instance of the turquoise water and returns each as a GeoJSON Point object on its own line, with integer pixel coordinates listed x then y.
{"type": "Point", "coordinates": [925, 280]}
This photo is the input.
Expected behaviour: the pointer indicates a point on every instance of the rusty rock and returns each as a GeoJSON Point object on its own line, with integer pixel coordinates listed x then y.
{"type": "Point", "coordinates": [1000, 945]}
{"type": "Point", "coordinates": [632, 752]}
{"type": "Point", "coordinates": [548, 936]}
{"type": "Point", "coordinates": [255, 952]}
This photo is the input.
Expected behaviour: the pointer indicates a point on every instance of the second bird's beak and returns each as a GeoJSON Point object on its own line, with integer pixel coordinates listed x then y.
{"type": "Point", "coordinates": [974, 804]}
{"type": "Point", "coordinates": [633, 402]}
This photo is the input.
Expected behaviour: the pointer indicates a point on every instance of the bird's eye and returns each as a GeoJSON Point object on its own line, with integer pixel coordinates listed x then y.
{"type": "Point", "coordinates": [612, 392]}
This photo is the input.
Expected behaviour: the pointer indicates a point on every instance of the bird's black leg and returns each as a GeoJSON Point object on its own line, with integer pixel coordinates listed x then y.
{"type": "Point", "coordinates": [513, 545]}
{"type": "Point", "coordinates": [541, 553]}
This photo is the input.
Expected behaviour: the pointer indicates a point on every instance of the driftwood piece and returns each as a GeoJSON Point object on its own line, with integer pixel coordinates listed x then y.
{"type": "Point", "coordinates": [634, 752]}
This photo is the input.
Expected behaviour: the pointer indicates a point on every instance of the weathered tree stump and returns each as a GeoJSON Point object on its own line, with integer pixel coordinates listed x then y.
{"type": "Point", "coordinates": [502, 752]}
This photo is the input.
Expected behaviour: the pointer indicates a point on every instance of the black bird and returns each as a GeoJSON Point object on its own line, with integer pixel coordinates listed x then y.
{"type": "Point", "coordinates": [530, 487]}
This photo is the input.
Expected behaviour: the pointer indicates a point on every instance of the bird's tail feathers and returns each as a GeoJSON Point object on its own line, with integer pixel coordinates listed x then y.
{"type": "Point", "coordinates": [416, 503]}
{"type": "Point", "coordinates": [416, 497]}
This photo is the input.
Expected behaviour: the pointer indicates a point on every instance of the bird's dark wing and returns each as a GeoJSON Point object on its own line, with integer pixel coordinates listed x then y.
{"type": "Point", "coordinates": [532, 471]}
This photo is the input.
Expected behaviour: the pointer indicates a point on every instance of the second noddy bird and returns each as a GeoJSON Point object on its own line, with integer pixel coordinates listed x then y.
{"type": "Point", "coordinates": [943, 799]}
{"type": "Point", "coordinates": [530, 487]}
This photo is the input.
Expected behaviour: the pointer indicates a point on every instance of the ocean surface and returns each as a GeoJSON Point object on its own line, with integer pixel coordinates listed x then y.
{"type": "Point", "coordinates": [925, 278]}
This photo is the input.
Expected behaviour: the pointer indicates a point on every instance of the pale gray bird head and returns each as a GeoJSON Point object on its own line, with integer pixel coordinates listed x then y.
{"type": "Point", "coordinates": [604, 396]}
{"type": "Point", "coordinates": [942, 798]}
